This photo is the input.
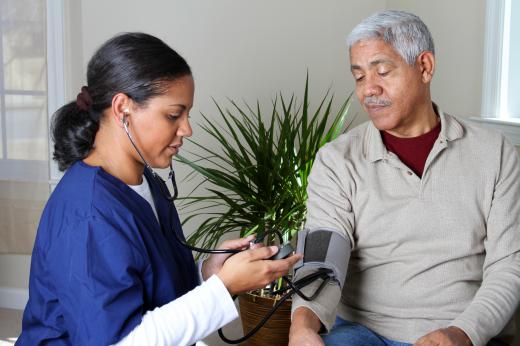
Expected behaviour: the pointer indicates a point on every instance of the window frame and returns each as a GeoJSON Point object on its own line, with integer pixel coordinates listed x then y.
{"type": "Point", "coordinates": [40, 170]}
{"type": "Point", "coordinates": [493, 80]}
{"type": "Point", "coordinates": [55, 73]}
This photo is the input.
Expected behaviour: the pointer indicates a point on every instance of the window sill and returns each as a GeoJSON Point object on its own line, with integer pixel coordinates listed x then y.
{"type": "Point", "coordinates": [24, 170]}
{"type": "Point", "coordinates": [510, 128]}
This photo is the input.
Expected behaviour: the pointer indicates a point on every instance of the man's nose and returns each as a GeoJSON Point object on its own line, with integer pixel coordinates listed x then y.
{"type": "Point", "coordinates": [372, 86]}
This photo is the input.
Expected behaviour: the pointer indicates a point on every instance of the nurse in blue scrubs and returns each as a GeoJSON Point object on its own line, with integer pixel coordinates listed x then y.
{"type": "Point", "coordinates": [107, 267]}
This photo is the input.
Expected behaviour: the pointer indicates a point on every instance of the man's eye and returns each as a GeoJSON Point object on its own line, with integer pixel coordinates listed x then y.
{"type": "Point", "coordinates": [383, 73]}
{"type": "Point", "coordinates": [173, 116]}
{"type": "Point", "coordinates": [359, 78]}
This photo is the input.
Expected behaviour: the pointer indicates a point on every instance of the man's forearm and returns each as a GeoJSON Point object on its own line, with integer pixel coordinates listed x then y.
{"type": "Point", "coordinates": [305, 318]}
{"type": "Point", "coordinates": [494, 303]}
{"type": "Point", "coordinates": [324, 306]}
{"type": "Point", "coordinates": [304, 328]}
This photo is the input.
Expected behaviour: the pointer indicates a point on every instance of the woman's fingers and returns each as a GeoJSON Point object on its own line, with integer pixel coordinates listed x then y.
{"type": "Point", "coordinates": [261, 253]}
{"type": "Point", "coordinates": [281, 267]}
{"type": "Point", "coordinates": [252, 269]}
{"type": "Point", "coordinates": [287, 263]}
{"type": "Point", "coordinates": [239, 243]}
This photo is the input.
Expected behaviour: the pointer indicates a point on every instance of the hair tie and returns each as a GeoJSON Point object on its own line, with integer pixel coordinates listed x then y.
{"type": "Point", "coordinates": [83, 100]}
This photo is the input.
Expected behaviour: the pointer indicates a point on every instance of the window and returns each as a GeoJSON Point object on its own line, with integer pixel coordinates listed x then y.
{"type": "Point", "coordinates": [512, 72]}
{"type": "Point", "coordinates": [31, 88]}
{"type": "Point", "coordinates": [501, 82]}
{"type": "Point", "coordinates": [27, 86]}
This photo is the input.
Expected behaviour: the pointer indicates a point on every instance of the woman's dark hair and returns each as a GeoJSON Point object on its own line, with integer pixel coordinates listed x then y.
{"type": "Point", "coordinates": [135, 64]}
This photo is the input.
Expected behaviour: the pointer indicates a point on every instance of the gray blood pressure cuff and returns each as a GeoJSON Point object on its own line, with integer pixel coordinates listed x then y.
{"type": "Point", "coordinates": [324, 248]}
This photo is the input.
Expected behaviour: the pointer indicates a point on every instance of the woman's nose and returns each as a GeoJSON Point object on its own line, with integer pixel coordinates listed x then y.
{"type": "Point", "coordinates": [185, 129]}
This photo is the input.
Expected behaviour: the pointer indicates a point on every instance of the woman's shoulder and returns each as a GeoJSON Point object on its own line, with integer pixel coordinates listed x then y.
{"type": "Point", "coordinates": [89, 188]}
{"type": "Point", "coordinates": [76, 183]}
{"type": "Point", "coordinates": [86, 195]}
{"type": "Point", "coordinates": [87, 202]}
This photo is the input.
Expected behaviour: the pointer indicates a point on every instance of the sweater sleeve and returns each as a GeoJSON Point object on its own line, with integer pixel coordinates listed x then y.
{"type": "Point", "coordinates": [328, 206]}
{"type": "Point", "coordinates": [496, 300]}
{"type": "Point", "coordinates": [187, 319]}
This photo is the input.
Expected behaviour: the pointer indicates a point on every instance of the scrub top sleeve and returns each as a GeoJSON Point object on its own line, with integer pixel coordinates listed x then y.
{"type": "Point", "coordinates": [106, 295]}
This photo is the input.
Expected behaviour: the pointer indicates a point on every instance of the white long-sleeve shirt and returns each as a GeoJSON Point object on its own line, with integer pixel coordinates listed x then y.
{"type": "Point", "coordinates": [187, 319]}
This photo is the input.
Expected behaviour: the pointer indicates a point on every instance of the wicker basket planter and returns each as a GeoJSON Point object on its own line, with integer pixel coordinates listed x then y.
{"type": "Point", "coordinates": [276, 331]}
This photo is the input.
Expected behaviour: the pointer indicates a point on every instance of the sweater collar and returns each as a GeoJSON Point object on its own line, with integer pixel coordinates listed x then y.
{"type": "Point", "coordinates": [374, 148]}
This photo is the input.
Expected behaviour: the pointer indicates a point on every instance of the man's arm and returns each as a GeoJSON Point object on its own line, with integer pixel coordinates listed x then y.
{"type": "Point", "coordinates": [499, 294]}
{"type": "Point", "coordinates": [304, 328]}
{"type": "Point", "coordinates": [328, 207]}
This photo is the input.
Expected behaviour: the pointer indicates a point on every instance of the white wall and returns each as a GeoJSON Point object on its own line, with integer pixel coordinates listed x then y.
{"type": "Point", "coordinates": [251, 49]}
{"type": "Point", "coordinates": [238, 49]}
{"type": "Point", "coordinates": [246, 49]}
{"type": "Point", "coordinates": [457, 28]}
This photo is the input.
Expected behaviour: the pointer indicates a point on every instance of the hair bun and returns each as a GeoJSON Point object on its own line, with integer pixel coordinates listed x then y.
{"type": "Point", "coordinates": [83, 100]}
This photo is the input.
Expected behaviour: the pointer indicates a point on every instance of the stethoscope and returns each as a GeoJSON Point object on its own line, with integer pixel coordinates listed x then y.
{"type": "Point", "coordinates": [292, 287]}
{"type": "Point", "coordinates": [166, 194]}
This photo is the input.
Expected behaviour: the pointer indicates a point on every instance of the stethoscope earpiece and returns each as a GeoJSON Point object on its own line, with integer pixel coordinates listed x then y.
{"type": "Point", "coordinates": [126, 113]}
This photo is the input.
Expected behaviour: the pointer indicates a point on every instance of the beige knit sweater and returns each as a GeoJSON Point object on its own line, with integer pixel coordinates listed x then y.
{"type": "Point", "coordinates": [427, 253]}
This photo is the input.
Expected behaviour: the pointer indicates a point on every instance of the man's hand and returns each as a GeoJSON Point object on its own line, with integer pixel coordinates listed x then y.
{"type": "Point", "coordinates": [451, 336]}
{"type": "Point", "coordinates": [304, 329]}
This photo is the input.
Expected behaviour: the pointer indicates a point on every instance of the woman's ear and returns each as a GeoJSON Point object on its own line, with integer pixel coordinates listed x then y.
{"type": "Point", "coordinates": [121, 104]}
{"type": "Point", "coordinates": [426, 64]}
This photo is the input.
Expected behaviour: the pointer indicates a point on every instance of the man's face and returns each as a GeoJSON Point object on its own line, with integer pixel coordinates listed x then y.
{"type": "Point", "coordinates": [391, 91]}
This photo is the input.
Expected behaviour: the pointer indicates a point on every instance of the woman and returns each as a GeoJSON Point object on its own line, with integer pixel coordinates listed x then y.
{"type": "Point", "coordinates": [106, 266]}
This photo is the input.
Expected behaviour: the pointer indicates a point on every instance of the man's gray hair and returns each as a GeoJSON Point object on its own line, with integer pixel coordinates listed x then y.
{"type": "Point", "coordinates": [404, 31]}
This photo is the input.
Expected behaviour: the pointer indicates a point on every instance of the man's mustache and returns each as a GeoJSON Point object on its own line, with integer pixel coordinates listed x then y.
{"type": "Point", "coordinates": [374, 101]}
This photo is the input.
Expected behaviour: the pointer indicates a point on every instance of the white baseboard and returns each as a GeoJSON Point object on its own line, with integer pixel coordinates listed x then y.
{"type": "Point", "coordinates": [13, 298]}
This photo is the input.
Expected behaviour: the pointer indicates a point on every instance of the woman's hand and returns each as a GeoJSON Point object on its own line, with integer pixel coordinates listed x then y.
{"type": "Point", "coordinates": [251, 269]}
{"type": "Point", "coordinates": [213, 263]}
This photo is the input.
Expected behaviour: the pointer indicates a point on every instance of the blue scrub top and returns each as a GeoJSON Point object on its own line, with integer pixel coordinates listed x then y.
{"type": "Point", "coordinates": [101, 260]}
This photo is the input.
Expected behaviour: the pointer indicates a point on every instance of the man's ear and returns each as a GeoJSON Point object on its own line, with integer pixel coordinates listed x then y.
{"type": "Point", "coordinates": [426, 64]}
{"type": "Point", "coordinates": [121, 105]}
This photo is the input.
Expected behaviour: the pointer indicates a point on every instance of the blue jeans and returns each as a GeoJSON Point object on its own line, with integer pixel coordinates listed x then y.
{"type": "Point", "coordinates": [353, 334]}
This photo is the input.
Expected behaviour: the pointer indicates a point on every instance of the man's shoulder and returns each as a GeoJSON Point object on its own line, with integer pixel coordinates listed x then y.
{"type": "Point", "coordinates": [349, 141]}
{"type": "Point", "coordinates": [476, 134]}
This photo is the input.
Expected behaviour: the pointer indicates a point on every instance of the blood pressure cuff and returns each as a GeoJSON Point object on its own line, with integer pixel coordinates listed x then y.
{"type": "Point", "coordinates": [324, 248]}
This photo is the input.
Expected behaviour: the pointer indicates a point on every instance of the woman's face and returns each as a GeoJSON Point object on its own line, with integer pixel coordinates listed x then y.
{"type": "Point", "coordinates": [159, 127]}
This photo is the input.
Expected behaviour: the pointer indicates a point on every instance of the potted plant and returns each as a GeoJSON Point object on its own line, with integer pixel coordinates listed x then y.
{"type": "Point", "coordinates": [255, 179]}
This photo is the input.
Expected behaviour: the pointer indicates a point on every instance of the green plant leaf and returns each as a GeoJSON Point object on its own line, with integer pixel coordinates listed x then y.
{"type": "Point", "coordinates": [255, 178]}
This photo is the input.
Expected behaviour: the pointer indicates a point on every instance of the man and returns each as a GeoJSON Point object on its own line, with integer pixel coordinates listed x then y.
{"type": "Point", "coordinates": [427, 203]}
